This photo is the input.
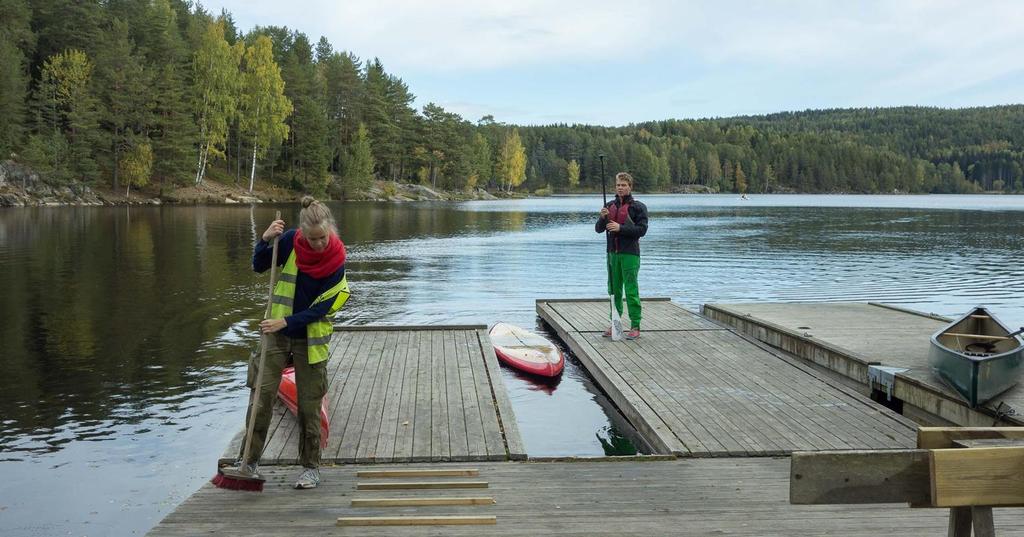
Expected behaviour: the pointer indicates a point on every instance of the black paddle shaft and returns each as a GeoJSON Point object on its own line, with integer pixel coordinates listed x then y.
{"type": "Point", "coordinates": [604, 192]}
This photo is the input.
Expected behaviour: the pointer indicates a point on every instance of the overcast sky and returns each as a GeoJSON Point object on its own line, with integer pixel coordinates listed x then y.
{"type": "Point", "coordinates": [613, 63]}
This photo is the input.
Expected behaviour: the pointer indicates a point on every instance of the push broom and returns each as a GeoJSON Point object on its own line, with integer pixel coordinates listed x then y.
{"type": "Point", "coordinates": [239, 478]}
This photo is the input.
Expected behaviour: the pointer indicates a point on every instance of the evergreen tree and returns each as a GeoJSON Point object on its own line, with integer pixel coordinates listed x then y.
{"type": "Point", "coordinates": [358, 164]}
{"type": "Point", "coordinates": [16, 40]}
{"type": "Point", "coordinates": [122, 87]}
{"type": "Point", "coordinates": [480, 162]}
{"type": "Point", "coordinates": [171, 131]}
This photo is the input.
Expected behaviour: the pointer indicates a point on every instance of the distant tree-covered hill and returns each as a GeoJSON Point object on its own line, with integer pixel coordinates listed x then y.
{"type": "Point", "coordinates": [124, 93]}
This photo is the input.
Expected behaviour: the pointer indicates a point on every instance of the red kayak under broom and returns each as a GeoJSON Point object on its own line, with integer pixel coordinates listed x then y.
{"type": "Point", "coordinates": [526, 351]}
{"type": "Point", "coordinates": [286, 393]}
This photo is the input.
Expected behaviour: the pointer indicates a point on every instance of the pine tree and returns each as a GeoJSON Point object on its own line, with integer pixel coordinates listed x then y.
{"type": "Point", "coordinates": [123, 94]}
{"type": "Point", "coordinates": [358, 164]}
{"type": "Point", "coordinates": [171, 130]}
{"type": "Point", "coordinates": [480, 162]}
{"type": "Point", "coordinates": [13, 85]}
{"type": "Point", "coordinates": [17, 41]}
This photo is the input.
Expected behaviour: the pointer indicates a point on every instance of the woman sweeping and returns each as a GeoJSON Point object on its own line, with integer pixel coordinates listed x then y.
{"type": "Point", "coordinates": [311, 287]}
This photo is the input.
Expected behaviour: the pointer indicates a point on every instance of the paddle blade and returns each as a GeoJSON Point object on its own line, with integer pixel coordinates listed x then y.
{"type": "Point", "coordinates": [616, 321]}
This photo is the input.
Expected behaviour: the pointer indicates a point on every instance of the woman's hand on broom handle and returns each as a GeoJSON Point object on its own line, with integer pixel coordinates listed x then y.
{"type": "Point", "coordinates": [275, 229]}
{"type": "Point", "coordinates": [269, 326]}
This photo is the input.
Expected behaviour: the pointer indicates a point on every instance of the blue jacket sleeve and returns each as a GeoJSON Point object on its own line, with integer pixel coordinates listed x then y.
{"type": "Point", "coordinates": [263, 252]}
{"type": "Point", "coordinates": [316, 311]}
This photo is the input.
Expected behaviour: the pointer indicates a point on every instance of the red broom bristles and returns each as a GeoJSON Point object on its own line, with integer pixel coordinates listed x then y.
{"type": "Point", "coordinates": [237, 481]}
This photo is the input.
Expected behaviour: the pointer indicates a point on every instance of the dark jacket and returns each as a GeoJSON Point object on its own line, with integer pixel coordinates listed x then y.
{"type": "Point", "coordinates": [627, 240]}
{"type": "Point", "coordinates": [307, 288]}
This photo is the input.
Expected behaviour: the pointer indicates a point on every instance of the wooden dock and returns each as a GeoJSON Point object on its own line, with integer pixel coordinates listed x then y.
{"type": "Point", "coordinates": [850, 338]}
{"type": "Point", "coordinates": [407, 394]}
{"type": "Point", "coordinates": [747, 497]}
{"type": "Point", "coordinates": [696, 388]}
{"type": "Point", "coordinates": [692, 386]}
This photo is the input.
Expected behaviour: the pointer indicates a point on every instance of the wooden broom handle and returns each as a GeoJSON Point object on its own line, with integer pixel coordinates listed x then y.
{"type": "Point", "coordinates": [263, 355]}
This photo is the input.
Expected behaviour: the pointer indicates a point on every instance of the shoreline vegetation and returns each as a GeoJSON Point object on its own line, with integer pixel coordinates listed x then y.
{"type": "Point", "coordinates": [163, 100]}
{"type": "Point", "coordinates": [20, 187]}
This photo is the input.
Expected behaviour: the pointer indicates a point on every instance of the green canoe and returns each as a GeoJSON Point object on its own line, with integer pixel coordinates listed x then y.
{"type": "Point", "coordinates": [978, 356]}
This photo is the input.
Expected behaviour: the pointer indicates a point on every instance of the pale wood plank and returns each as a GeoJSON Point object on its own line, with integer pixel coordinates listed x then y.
{"type": "Point", "coordinates": [414, 502]}
{"type": "Point", "coordinates": [423, 422]}
{"type": "Point", "coordinates": [407, 407]}
{"type": "Point", "coordinates": [418, 520]}
{"type": "Point", "coordinates": [416, 485]}
{"type": "Point", "coordinates": [977, 476]}
{"type": "Point", "coordinates": [432, 472]}
{"type": "Point", "coordinates": [440, 445]}
{"type": "Point", "coordinates": [493, 438]}
{"type": "Point", "coordinates": [457, 440]}
{"type": "Point", "coordinates": [945, 437]}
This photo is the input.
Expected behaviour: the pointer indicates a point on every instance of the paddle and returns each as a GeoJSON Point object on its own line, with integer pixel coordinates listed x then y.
{"type": "Point", "coordinates": [616, 321]}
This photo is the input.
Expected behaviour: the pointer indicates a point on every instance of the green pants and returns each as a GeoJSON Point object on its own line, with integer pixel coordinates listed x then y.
{"type": "Point", "coordinates": [310, 387]}
{"type": "Point", "coordinates": [622, 273]}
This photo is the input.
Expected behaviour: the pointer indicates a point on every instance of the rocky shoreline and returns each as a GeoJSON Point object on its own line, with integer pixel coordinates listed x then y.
{"type": "Point", "coordinates": [22, 187]}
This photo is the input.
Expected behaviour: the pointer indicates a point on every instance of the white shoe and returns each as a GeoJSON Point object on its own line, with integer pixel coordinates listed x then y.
{"type": "Point", "coordinates": [308, 479]}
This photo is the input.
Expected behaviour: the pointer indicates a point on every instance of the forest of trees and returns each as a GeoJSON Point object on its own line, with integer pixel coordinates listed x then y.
{"type": "Point", "coordinates": [124, 93]}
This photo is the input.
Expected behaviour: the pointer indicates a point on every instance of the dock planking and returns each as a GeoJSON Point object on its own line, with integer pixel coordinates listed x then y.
{"type": "Point", "coordinates": [725, 496]}
{"type": "Point", "coordinates": [696, 388]}
{"type": "Point", "coordinates": [406, 394]}
{"type": "Point", "coordinates": [848, 337]}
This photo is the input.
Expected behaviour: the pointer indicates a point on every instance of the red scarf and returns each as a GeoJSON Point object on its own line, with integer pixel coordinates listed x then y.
{"type": "Point", "coordinates": [318, 264]}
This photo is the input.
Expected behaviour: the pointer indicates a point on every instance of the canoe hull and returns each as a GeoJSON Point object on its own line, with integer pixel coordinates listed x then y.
{"type": "Point", "coordinates": [286, 392]}
{"type": "Point", "coordinates": [977, 377]}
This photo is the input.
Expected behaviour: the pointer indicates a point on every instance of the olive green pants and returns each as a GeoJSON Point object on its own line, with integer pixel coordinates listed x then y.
{"type": "Point", "coordinates": [623, 270]}
{"type": "Point", "coordinates": [310, 387]}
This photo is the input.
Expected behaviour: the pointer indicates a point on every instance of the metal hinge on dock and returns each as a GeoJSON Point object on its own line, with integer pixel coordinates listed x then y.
{"type": "Point", "coordinates": [884, 376]}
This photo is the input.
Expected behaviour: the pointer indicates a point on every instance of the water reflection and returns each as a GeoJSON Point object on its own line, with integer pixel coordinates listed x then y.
{"type": "Point", "coordinates": [126, 329]}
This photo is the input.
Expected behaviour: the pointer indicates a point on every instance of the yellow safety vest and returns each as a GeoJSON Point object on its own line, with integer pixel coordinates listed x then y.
{"type": "Point", "coordinates": [318, 332]}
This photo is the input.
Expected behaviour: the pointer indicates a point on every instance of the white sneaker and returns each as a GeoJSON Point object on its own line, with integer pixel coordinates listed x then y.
{"type": "Point", "coordinates": [308, 479]}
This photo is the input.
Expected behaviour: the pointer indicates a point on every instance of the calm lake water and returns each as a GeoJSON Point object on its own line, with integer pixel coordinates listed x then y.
{"type": "Point", "coordinates": [125, 330]}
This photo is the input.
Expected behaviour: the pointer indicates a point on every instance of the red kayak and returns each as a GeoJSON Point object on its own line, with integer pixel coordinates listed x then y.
{"type": "Point", "coordinates": [526, 351]}
{"type": "Point", "coordinates": [286, 393]}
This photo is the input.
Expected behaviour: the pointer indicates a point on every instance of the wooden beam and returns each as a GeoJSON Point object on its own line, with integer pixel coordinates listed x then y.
{"type": "Point", "coordinates": [453, 472]}
{"type": "Point", "coordinates": [423, 485]}
{"type": "Point", "coordinates": [416, 520]}
{"type": "Point", "coordinates": [851, 477]}
{"type": "Point", "coordinates": [944, 437]}
{"type": "Point", "coordinates": [977, 476]}
{"type": "Point", "coordinates": [409, 502]}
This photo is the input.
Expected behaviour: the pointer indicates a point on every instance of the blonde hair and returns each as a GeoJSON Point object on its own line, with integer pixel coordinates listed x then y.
{"type": "Point", "coordinates": [316, 214]}
{"type": "Point", "coordinates": [623, 176]}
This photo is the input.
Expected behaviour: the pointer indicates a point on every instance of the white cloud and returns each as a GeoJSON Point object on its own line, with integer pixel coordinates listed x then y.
{"type": "Point", "coordinates": [774, 53]}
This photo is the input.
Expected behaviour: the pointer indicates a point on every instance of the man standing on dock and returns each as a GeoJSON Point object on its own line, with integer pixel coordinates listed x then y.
{"type": "Point", "coordinates": [625, 220]}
